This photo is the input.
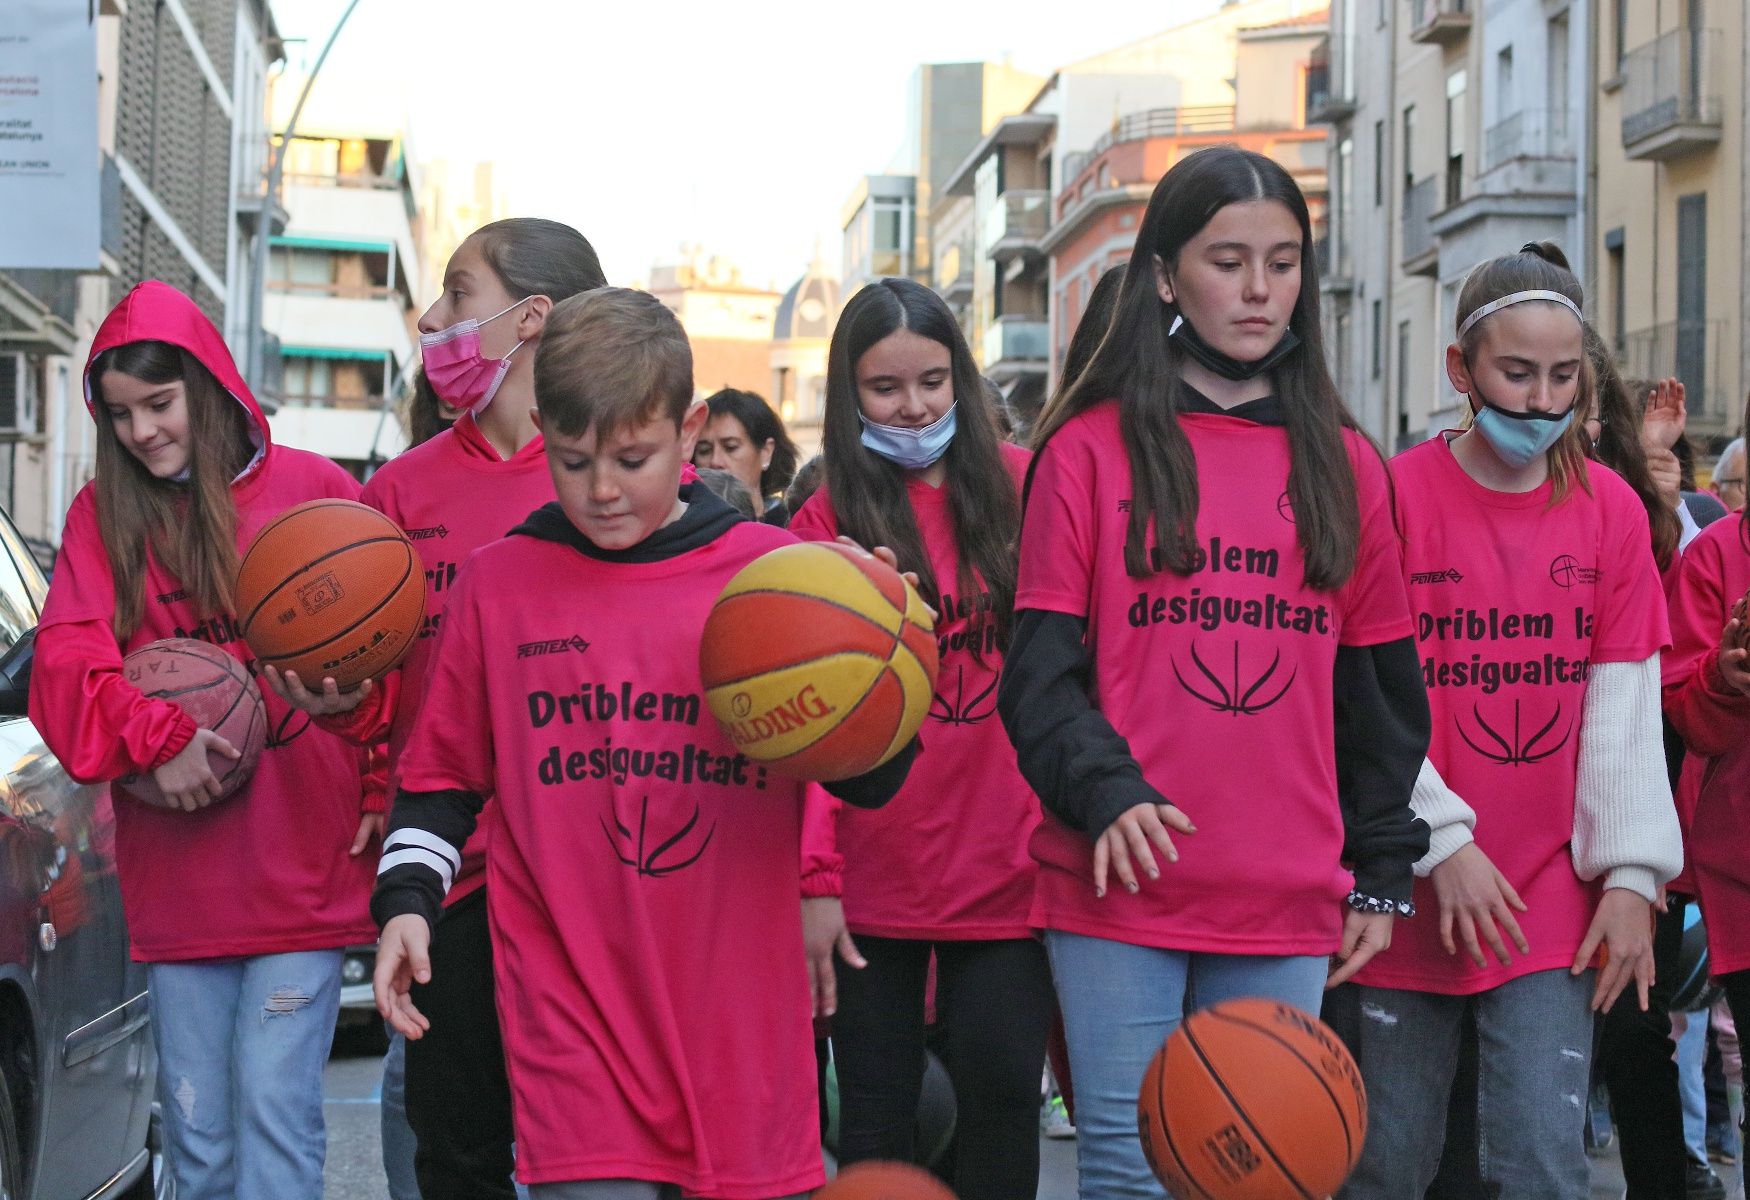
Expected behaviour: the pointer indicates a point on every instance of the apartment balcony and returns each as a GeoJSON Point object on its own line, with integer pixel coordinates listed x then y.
{"type": "Point", "coordinates": [1439, 22]}
{"type": "Point", "coordinates": [1421, 251]}
{"type": "Point", "coordinates": [1325, 104]}
{"type": "Point", "coordinates": [1696, 353]}
{"type": "Point", "coordinates": [1016, 346]}
{"type": "Point", "coordinates": [1671, 103]}
{"type": "Point", "coordinates": [1336, 270]}
{"type": "Point", "coordinates": [1530, 133]}
{"type": "Point", "coordinates": [1015, 224]}
{"type": "Point", "coordinates": [957, 291]}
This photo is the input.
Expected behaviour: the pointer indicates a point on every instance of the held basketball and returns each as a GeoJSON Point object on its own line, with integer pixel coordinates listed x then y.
{"type": "Point", "coordinates": [884, 1181]}
{"type": "Point", "coordinates": [331, 589]}
{"type": "Point", "coordinates": [1252, 1100]}
{"type": "Point", "coordinates": [213, 688]}
{"type": "Point", "coordinates": [819, 660]}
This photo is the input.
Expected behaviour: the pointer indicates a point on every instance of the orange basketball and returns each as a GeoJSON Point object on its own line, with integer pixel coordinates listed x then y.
{"type": "Point", "coordinates": [331, 589]}
{"type": "Point", "coordinates": [213, 688]}
{"type": "Point", "coordinates": [1252, 1100]}
{"type": "Point", "coordinates": [884, 1181]}
{"type": "Point", "coordinates": [819, 660]}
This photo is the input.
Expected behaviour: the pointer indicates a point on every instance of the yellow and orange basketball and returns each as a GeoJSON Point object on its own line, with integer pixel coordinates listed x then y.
{"type": "Point", "coordinates": [819, 660]}
{"type": "Point", "coordinates": [1252, 1100]}
{"type": "Point", "coordinates": [331, 589]}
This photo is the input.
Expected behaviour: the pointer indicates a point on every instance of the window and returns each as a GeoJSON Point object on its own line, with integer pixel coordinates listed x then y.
{"type": "Point", "coordinates": [1409, 147]}
{"type": "Point", "coordinates": [309, 379]}
{"type": "Point", "coordinates": [1378, 163]}
{"type": "Point", "coordinates": [1455, 129]}
{"type": "Point", "coordinates": [1618, 295]}
{"type": "Point", "coordinates": [1619, 26]}
{"type": "Point", "coordinates": [1403, 382]}
{"type": "Point", "coordinates": [1376, 334]}
{"type": "Point", "coordinates": [1692, 296]}
{"type": "Point", "coordinates": [1504, 81]}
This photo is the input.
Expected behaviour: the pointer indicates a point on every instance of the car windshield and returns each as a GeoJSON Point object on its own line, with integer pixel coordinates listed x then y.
{"type": "Point", "coordinates": [22, 588]}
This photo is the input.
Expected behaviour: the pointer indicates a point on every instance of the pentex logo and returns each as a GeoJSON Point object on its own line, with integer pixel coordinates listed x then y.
{"type": "Point", "coordinates": [430, 531]}
{"type": "Point", "coordinates": [551, 646]}
{"type": "Point", "coordinates": [1450, 575]}
{"type": "Point", "coordinates": [1566, 571]}
{"type": "Point", "coordinates": [172, 597]}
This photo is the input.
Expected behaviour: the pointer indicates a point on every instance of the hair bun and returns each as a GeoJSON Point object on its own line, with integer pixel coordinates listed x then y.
{"type": "Point", "coordinates": [1549, 252]}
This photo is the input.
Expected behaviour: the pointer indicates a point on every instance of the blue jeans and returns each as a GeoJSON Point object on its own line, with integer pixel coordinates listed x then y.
{"type": "Point", "coordinates": [1534, 1050]}
{"type": "Point", "coordinates": [1119, 1004]}
{"type": "Point", "coordinates": [241, 1047]}
{"type": "Point", "coordinates": [1691, 1058]}
{"type": "Point", "coordinates": [398, 1141]}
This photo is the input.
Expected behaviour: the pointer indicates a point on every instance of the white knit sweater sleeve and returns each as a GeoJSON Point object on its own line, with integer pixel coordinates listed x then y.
{"type": "Point", "coordinates": [1625, 824]}
{"type": "Point", "coordinates": [1450, 820]}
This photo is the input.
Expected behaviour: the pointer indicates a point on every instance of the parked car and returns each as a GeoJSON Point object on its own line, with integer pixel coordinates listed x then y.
{"type": "Point", "coordinates": [77, 1070]}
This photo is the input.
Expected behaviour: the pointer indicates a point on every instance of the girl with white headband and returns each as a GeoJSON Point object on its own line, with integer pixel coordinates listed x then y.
{"type": "Point", "coordinates": [1539, 619]}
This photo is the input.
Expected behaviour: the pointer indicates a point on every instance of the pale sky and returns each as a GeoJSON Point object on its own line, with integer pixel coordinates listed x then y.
{"type": "Point", "coordinates": [645, 123]}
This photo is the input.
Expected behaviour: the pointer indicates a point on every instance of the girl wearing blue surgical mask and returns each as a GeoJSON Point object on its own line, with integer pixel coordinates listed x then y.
{"type": "Point", "coordinates": [1540, 619]}
{"type": "Point", "coordinates": [913, 461]}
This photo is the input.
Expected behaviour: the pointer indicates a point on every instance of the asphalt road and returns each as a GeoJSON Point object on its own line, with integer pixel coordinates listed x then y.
{"type": "Point", "coordinates": [355, 1168]}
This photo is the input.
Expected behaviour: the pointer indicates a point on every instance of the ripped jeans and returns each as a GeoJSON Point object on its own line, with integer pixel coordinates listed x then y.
{"type": "Point", "coordinates": [1534, 1048]}
{"type": "Point", "coordinates": [241, 1046]}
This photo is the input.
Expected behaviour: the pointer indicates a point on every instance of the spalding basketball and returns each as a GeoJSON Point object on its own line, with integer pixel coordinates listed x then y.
{"type": "Point", "coordinates": [884, 1181]}
{"type": "Point", "coordinates": [213, 688]}
{"type": "Point", "coordinates": [1252, 1100]}
{"type": "Point", "coordinates": [331, 589]}
{"type": "Point", "coordinates": [819, 660]}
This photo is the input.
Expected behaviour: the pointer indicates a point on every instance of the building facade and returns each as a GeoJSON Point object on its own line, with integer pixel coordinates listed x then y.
{"type": "Point", "coordinates": [1668, 238]}
{"type": "Point", "coordinates": [801, 336]}
{"type": "Point", "coordinates": [181, 134]}
{"type": "Point", "coordinates": [728, 319]}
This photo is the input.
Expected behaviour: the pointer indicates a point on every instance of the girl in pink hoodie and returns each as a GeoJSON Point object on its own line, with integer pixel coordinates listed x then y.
{"type": "Point", "coordinates": [241, 909]}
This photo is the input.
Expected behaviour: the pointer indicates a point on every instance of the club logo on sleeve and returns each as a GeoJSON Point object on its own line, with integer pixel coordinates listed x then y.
{"type": "Point", "coordinates": [1246, 690]}
{"type": "Point", "coordinates": [1285, 507]}
{"type": "Point", "coordinates": [1566, 571]}
{"type": "Point", "coordinates": [429, 531]}
{"type": "Point", "coordinates": [564, 645]}
{"type": "Point", "coordinates": [1449, 575]}
{"type": "Point", "coordinates": [1523, 740]}
{"type": "Point", "coordinates": [657, 852]}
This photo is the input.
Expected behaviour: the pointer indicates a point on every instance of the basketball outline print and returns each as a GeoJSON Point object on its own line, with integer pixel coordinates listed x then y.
{"type": "Point", "coordinates": [1239, 695]}
{"type": "Point", "coordinates": [1521, 749]}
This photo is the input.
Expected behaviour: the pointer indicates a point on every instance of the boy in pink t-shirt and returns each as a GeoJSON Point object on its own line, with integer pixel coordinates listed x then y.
{"type": "Point", "coordinates": [646, 933]}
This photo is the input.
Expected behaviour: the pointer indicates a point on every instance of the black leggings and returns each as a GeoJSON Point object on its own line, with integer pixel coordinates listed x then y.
{"type": "Point", "coordinates": [458, 1096]}
{"type": "Point", "coordinates": [995, 1001]}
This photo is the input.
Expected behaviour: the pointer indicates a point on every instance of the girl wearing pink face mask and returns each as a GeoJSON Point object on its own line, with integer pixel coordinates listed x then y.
{"type": "Point", "coordinates": [467, 486]}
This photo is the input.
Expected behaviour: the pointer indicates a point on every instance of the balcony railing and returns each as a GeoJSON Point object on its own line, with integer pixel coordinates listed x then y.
{"type": "Point", "coordinates": [1528, 133]}
{"type": "Point", "coordinates": [1013, 339]}
{"type": "Point", "coordinates": [1324, 101]}
{"type": "Point", "coordinates": [1671, 95]}
{"type": "Point", "coordinates": [1693, 351]}
{"type": "Point", "coordinates": [1439, 21]}
{"type": "Point", "coordinates": [1016, 222]}
{"type": "Point", "coordinates": [1420, 204]}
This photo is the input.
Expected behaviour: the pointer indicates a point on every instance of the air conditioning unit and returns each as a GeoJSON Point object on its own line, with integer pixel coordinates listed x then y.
{"type": "Point", "coordinates": [18, 396]}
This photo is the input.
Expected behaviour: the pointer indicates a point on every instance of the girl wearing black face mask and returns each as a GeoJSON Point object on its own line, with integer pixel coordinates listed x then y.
{"type": "Point", "coordinates": [1212, 685]}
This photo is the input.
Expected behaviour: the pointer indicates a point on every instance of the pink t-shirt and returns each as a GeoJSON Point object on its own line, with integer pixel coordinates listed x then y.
{"type": "Point", "coordinates": [1715, 722]}
{"type": "Point", "coordinates": [1220, 681]}
{"type": "Point", "coordinates": [452, 495]}
{"type": "Point", "coordinates": [642, 873]}
{"type": "Point", "coordinates": [1515, 601]}
{"type": "Point", "coordinates": [267, 871]}
{"type": "Point", "coordinates": [947, 857]}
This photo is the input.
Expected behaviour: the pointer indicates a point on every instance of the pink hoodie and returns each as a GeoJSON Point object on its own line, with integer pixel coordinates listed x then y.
{"type": "Point", "coordinates": [266, 871]}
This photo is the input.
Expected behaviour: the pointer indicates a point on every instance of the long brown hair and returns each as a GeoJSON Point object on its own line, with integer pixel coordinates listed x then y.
{"type": "Point", "coordinates": [868, 492]}
{"type": "Point", "coordinates": [189, 527]}
{"type": "Point", "coordinates": [1139, 364]}
{"type": "Point", "coordinates": [1538, 266]}
{"type": "Point", "coordinates": [1619, 445]}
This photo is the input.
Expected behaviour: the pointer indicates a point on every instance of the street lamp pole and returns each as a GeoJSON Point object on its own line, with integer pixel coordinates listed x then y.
{"type": "Point", "coordinates": [276, 168]}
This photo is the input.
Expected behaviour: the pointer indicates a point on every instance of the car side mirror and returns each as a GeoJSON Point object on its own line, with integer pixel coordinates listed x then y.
{"type": "Point", "coordinates": [15, 676]}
